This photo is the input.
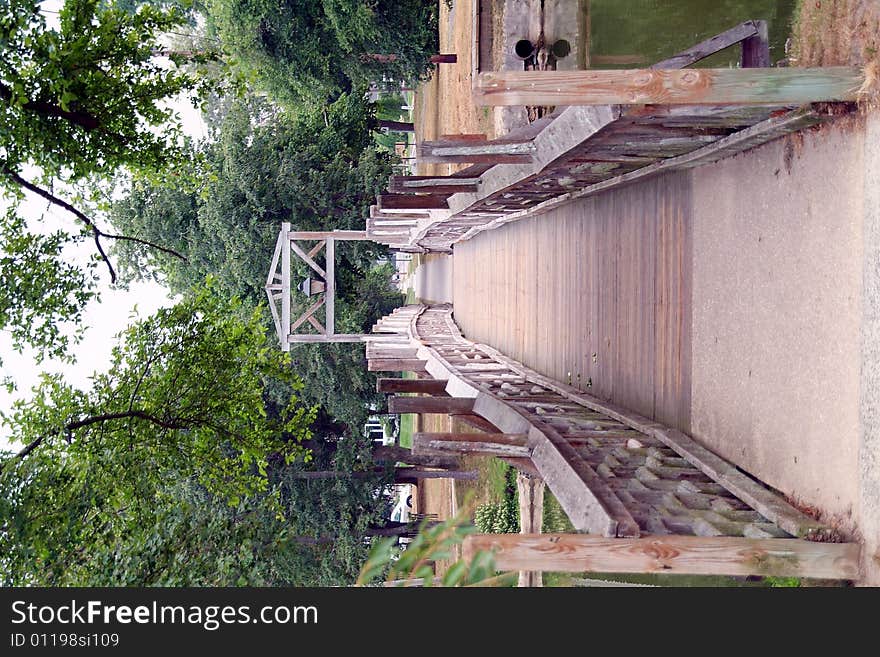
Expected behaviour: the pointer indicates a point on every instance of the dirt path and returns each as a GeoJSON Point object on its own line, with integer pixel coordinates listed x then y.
{"type": "Point", "coordinates": [443, 104]}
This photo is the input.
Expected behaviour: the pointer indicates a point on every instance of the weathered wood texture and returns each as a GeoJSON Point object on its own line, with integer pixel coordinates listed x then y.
{"type": "Point", "coordinates": [692, 555]}
{"type": "Point", "coordinates": [509, 445]}
{"type": "Point", "coordinates": [429, 405]}
{"type": "Point", "coordinates": [530, 491]}
{"type": "Point", "coordinates": [741, 32]}
{"type": "Point", "coordinates": [427, 386]}
{"type": "Point", "coordinates": [743, 86]}
{"type": "Point", "coordinates": [596, 293]}
{"type": "Point", "coordinates": [616, 473]}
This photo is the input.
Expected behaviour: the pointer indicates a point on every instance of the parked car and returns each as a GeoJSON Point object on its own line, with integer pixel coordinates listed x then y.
{"type": "Point", "coordinates": [403, 506]}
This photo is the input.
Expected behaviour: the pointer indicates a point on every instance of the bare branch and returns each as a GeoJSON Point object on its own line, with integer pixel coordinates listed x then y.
{"type": "Point", "coordinates": [97, 233]}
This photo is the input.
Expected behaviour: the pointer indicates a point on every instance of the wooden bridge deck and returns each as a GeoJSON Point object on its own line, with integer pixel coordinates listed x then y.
{"type": "Point", "coordinates": [596, 293]}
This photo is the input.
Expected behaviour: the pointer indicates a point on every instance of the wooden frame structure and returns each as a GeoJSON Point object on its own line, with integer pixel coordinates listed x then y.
{"type": "Point", "coordinates": [279, 288]}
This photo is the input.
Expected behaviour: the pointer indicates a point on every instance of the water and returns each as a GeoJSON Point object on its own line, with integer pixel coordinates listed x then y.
{"type": "Point", "coordinates": [634, 33]}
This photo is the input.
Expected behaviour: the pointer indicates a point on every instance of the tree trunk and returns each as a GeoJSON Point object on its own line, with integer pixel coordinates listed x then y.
{"type": "Point", "coordinates": [402, 475]}
{"type": "Point", "coordinates": [396, 126]}
{"type": "Point", "coordinates": [391, 454]}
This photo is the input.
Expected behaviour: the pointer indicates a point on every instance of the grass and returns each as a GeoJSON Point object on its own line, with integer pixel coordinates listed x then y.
{"type": "Point", "coordinates": [840, 33]}
{"type": "Point", "coordinates": [407, 426]}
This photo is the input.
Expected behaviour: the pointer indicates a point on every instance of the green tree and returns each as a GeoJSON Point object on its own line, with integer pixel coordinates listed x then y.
{"type": "Point", "coordinates": [316, 49]}
{"type": "Point", "coordinates": [183, 401]}
{"type": "Point", "coordinates": [320, 171]}
{"type": "Point", "coordinates": [78, 102]}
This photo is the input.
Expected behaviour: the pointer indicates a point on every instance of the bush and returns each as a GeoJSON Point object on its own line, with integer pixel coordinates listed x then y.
{"type": "Point", "coordinates": [500, 517]}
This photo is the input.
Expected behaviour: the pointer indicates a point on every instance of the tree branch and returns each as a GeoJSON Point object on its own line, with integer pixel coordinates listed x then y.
{"type": "Point", "coordinates": [97, 233]}
{"type": "Point", "coordinates": [96, 419]}
{"type": "Point", "coordinates": [84, 120]}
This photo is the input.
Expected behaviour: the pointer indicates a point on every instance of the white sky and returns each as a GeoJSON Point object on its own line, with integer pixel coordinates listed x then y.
{"type": "Point", "coordinates": [103, 319]}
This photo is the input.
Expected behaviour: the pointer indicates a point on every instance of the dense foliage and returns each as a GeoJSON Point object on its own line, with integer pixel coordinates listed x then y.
{"type": "Point", "coordinates": [78, 101]}
{"type": "Point", "coordinates": [319, 171]}
{"type": "Point", "coordinates": [182, 401]}
{"type": "Point", "coordinates": [190, 461]}
{"type": "Point", "coordinates": [316, 49]}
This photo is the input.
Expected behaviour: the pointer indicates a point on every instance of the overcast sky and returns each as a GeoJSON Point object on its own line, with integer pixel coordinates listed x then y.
{"type": "Point", "coordinates": [103, 319]}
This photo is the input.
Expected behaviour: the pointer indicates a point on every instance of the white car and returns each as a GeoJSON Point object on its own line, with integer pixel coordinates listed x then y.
{"type": "Point", "coordinates": [403, 507]}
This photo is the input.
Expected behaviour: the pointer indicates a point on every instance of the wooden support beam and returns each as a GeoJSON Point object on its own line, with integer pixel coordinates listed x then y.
{"type": "Point", "coordinates": [429, 405]}
{"type": "Point", "coordinates": [710, 46]}
{"type": "Point", "coordinates": [498, 151]}
{"type": "Point", "coordinates": [686, 555]}
{"type": "Point", "coordinates": [395, 365]}
{"type": "Point", "coordinates": [756, 49]}
{"type": "Point", "coordinates": [424, 386]}
{"type": "Point", "coordinates": [412, 202]}
{"type": "Point", "coordinates": [324, 234]}
{"type": "Point", "coordinates": [330, 286]}
{"type": "Point", "coordinates": [485, 444]}
{"type": "Point", "coordinates": [432, 184]}
{"type": "Point", "coordinates": [475, 421]}
{"type": "Point", "coordinates": [749, 86]}
{"type": "Point", "coordinates": [444, 58]}
{"type": "Point", "coordinates": [308, 260]}
{"type": "Point", "coordinates": [466, 137]}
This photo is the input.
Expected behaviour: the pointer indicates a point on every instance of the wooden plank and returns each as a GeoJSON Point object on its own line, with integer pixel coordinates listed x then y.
{"type": "Point", "coordinates": [285, 285]}
{"type": "Point", "coordinates": [435, 184]}
{"type": "Point", "coordinates": [711, 46]}
{"type": "Point", "coordinates": [509, 445]}
{"type": "Point", "coordinates": [531, 510]}
{"type": "Point", "coordinates": [423, 386]}
{"type": "Point", "coordinates": [691, 555]}
{"type": "Point", "coordinates": [354, 235]}
{"type": "Point", "coordinates": [775, 86]}
{"type": "Point", "coordinates": [412, 202]}
{"type": "Point", "coordinates": [339, 337]}
{"type": "Point", "coordinates": [756, 49]}
{"type": "Point", "coordinates": [429, 405]}
{"type": "Point", "coordinates": [500, 151]}
{"type": "Point", "coordinates": [395, 365]}
{"type": "Point", "coordinates": [330, 286]}
{"type": "Point", "coordinates": [308, 313]}
{"type": "Point", "coordinates": [495, 438]}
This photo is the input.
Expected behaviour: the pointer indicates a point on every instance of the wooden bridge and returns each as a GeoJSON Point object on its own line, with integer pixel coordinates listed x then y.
{"type": "Point", "coordinates": [606, 424]}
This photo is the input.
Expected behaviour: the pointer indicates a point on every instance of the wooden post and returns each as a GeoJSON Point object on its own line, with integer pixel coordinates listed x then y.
{"type": "Point", "coordinates": [412, 202]}
{"type": "Point", "coordinates": [395, 454]}
{"type": "Point", "coordinates": [710, 46]}
{"type": "Point", "coordinates": [531, 511]}
{"type": "Point", "coordinates": [424, 386]}
{"type": "Point", "coordinates": [396, 126]}
{"type": "Point", "coordinates": [442, 58]}
{"type": "Point", "coordinates": [285, 278]}
{"type": "Point", "coordinates": [498, 151]}
{"type": "Point", "coordinates": [756, 49]}
{"type": "Point", "coordinates": [743, 86]}
{"type": "Point", "coordinates": [432, 184]}
{"type": "Point", "coordinates": [484, 444]}
{"type": "Point", "coordinates": [395, 365]}
{"type": "Point", "coordinates": [330, 290]}
{"type": "Point", "coordinates": [687, 555]}
{"type": "Point", "coordinates": [430, 405]}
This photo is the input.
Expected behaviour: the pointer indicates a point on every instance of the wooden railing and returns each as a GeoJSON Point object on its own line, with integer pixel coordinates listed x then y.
{"type": "Point", "coordinates": [668, 503]}
{"type": "Point", "coordinates": [637, 123]}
